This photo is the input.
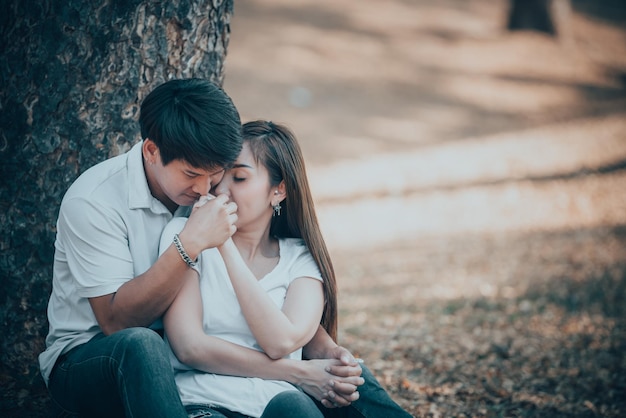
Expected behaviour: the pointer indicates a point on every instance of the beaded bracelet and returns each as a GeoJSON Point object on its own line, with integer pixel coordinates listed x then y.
{"type": "Point", "coordinates": [182, 252]}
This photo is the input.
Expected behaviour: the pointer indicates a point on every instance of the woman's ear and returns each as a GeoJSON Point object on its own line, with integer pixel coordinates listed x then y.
{"type": "Point", "coordinates": [150, 151]}
{"type": "Point", "coordinates": [280, 193]}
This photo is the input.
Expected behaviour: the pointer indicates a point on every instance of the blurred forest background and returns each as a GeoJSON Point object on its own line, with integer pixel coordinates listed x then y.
{"type": "Point", "coordinates": [471, 182]}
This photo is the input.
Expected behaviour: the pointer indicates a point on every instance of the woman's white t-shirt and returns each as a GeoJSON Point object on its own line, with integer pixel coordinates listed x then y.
{"type": "Point", "coordinates": [222, 317]}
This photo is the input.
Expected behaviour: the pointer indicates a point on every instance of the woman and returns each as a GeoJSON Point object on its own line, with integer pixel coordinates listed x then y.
{"type": "Point", "coordinates": [237, 333]}
{"type": "Point", "coordinates": [265, 289]}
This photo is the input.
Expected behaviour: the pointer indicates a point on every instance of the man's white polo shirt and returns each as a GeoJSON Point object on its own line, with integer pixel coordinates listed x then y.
{"type": "Point", "coordinates": [108, 232]}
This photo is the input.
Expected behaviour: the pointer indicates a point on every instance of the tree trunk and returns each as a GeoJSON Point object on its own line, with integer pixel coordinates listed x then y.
{"type": "Point", "coordinates": [72, 78]}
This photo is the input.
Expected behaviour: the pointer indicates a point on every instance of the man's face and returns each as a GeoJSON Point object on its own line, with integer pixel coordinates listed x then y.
{"type": "Point", "coordinates": [183, 184]}
{"type": "Point", "coordinates": [177, 183]}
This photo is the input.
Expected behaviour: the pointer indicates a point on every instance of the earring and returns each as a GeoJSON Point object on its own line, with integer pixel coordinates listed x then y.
{"type": "Point", "coordinates": [277, 209]}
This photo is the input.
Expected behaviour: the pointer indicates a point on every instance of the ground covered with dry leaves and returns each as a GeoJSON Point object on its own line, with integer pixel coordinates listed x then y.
{"type": "Point", "coordinates": [508, 325]}
{"type": "Point", "coordinates": [471, 183]}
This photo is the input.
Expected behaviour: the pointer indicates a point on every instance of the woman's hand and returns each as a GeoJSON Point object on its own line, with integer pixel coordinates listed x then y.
{"type": "Point", "coordinates": [347, 364]}
{"type": "Point", "coordinates": [330, 389]}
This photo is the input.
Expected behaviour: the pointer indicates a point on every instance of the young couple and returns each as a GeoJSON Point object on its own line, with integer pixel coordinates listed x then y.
{"type": "Point", "coordinates": [241, 283]}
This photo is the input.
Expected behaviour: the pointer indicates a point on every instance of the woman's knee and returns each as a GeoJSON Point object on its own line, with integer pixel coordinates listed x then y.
{"type": "Point", "coordinates": [291, 404]}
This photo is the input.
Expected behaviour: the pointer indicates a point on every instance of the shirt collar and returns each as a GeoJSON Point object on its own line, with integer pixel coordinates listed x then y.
{"type": "Point", "coordinates": [139, 196]}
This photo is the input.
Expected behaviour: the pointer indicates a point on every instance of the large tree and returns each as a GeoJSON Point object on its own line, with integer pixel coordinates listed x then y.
{"type": "Point", "coordinates": [73, 74]}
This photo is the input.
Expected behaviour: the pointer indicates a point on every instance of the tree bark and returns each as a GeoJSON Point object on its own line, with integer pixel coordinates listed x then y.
{"type": "Point", "coordinates": [73, 75]}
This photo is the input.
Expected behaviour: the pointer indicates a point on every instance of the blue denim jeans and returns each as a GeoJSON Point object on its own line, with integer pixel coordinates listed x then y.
{"type": "Point", "coordinates": [293, 404]}
{"type": "Point", "coordinates": [373, 402]}
{"type": "Point", "coordinates": [290, 404]}
{"type": "Point", "coordinates": [127, 373]}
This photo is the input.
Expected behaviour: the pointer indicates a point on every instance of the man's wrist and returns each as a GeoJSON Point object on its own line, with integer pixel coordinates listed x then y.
{"type": "Point", "coordinates": [295, 372]}
{"type": "Point", "coordinates": [190, 245]}
{"type": "Point", "coordinates": [183, 254]}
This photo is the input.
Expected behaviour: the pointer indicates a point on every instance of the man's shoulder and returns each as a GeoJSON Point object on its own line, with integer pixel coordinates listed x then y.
{"type": "Point", "coordinates": [105, 173]}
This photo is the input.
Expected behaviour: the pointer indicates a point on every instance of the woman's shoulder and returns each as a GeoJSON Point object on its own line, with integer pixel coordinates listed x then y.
{"type": "Point", "coordinates": [174, 226]}
{"type": "Point", "coordinates": [296, 257]}
{"type": "Point", "coordinates": [294, 248]}
{"type": "Point", "coordinates": [292, 244]}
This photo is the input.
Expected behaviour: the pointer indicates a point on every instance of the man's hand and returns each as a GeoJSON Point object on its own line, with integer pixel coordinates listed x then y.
{"type": "Point", "coordinates": [343, 366]}
{"type": "Point", "coordinates": [345, 369]}
{"type": "Point", "coordinates": [331, 390]}
{"type": "Point", "coordinates": [211, 223]}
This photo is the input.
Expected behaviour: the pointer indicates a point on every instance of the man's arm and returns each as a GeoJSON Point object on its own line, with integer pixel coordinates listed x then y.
{"type": "Point", "coordinates": [144, 299]}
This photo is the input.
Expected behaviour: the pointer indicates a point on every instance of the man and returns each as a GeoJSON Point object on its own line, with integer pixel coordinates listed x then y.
{"type": "Point", "coordinates": [108, 284]}
{"type": "Point", "coordinates": [110, 287]}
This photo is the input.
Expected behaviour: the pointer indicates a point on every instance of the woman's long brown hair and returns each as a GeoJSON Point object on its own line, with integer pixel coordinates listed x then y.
{"type": "Point", "coordinates": [276, 147]}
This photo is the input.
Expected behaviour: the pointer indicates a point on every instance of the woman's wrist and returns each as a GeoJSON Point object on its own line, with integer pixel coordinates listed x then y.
{"type": "Point", "coordinates": [228, 245]}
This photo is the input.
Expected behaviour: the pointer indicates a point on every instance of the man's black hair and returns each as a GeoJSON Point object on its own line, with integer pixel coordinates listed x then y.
{"type": "Point", "coordinates": [192, 120]}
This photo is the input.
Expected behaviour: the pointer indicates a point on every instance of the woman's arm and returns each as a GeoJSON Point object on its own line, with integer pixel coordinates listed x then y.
{"type": "Point", "coordinates": [183, 326]}
{"type": "Point", "coordinates": [278, 332]}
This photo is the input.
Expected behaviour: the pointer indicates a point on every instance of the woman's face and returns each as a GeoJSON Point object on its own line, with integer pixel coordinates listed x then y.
{"type": "Point", "coordinates": [247, 184]}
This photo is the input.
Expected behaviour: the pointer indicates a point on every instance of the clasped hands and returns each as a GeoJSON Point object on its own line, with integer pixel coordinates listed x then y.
{"type": "Point", "coordinates": [333, 382]}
